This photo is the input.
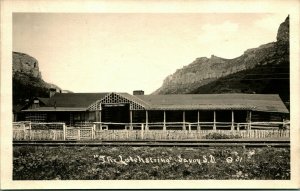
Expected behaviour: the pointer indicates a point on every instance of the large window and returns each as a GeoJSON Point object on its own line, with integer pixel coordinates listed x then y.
{"type": "Point", "coordinates": [36, 117]}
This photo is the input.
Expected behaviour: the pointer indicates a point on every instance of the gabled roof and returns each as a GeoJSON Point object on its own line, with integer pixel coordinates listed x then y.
{"type": "Point", "coordinates": [78, 100]}
{"type": "Point", "coordinates": [17, 108]}
{"type": "Point", "coordinates": [43, 100]}
{"type": "Point", "coordinates": [135, 99]}
{"type": "Point", "coordinates": [56, 109]}
{"type": "Point", "coordinates": [255, 102]}
{"type": "Point", "coordinates": [135, 103]}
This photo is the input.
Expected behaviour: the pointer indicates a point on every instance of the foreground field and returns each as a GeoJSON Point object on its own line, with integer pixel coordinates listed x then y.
{"type": "Point", "coordinates": [146, 163]}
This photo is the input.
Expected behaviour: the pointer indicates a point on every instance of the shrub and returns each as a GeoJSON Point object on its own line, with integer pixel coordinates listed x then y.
{"type": "Point", "coordinates": [222, 136]}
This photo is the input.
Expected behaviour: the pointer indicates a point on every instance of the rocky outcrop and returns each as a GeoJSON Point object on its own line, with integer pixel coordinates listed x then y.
{"type": "Point", "coordinates": [283, 34]}
{"type": "Point", "coordinates": [27, 79]}
{"type": "Point", "coordinates": [25, 64]}
{"type": "Point", "coordinates": [26, 68]}
{"type": "Point", "coordinates": [207, 70]}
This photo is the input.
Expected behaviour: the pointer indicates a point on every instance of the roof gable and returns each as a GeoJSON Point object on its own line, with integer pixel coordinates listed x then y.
{"type": "Point", "coordinates": [135, 103]}
{"type": "Point", "coordinates": [78, 100]}
{"type": "Point", "coordinates": [42, 102]}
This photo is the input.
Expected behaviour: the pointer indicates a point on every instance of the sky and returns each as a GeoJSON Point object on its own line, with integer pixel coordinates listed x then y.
{"type": "Point", "coordinates": [122, 52]}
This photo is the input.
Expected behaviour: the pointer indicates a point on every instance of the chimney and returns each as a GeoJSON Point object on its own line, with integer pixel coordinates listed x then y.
{"type": "Point", "coordinates": [52, 92]}
{"type": "Point", "coordinates": [138, 92]}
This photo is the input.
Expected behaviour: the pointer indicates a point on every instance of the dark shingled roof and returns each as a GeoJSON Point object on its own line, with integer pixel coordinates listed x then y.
{"type": "Point", "coordinates": [78, 100]}
{"type": "Point", "coordinates": [56, 109]}
{"type": "Point", "coordinates": [17, 108]}
{"type": "Point", "coordinates": [135, 99]}
{"type": "Point", "coordinates": [254, 102]}
{"type": "Point", "coordinates": [44, 100]}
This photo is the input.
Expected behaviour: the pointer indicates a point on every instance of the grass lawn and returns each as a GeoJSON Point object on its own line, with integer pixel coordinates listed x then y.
{"type": "Point", "coordinates": [147, 163]}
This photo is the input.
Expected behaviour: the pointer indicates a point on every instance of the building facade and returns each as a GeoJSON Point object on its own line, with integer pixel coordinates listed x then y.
{"type": "Point", "coordinates": [119, 110]}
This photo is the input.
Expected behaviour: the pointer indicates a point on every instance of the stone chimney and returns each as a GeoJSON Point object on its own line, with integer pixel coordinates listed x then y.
{"type": "Point", "coordinates": [138, 92]}
{"type": "Point", "coordinates": [52, 92]}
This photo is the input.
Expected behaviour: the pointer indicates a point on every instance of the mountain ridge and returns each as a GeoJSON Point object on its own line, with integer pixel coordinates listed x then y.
{"type": "Point", "coordinates": [205, 71]}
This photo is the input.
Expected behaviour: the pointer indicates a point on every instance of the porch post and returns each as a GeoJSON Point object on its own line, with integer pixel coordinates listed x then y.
{"type": "Point", "coordinates": [164, 127]}
{"type": "Point", "coordinates": [232, 120]}
{"type": "Point", "coordinates": [146, 127]}
{"type": "Point", "coordinates": [100, 116]}
{"type": "Point", "coordinates": [71, 119]}
{"type": "Point", "coordinates": [131, 128]}
{"type": "Point", "coordinates": [250, 116]}
{"type": "Point", "coordinates": [100, 119]}
{"type": "Point", "coordinates": [214, 126]}
{"type": "Point", "coordinates": [183, 121]}
{"type": "Point", "coordinates": [198, 121]}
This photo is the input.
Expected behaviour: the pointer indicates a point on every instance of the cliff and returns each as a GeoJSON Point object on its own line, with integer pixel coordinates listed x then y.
{"type": "Point", "coordinates": [27, 79]}
{"type": "Point", "coordinates": [207, 75]}
{"type": "Point", "coordinates": [23, 63]}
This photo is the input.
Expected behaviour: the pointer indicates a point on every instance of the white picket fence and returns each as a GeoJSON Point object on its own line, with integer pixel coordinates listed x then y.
{"type": "Point", "coordinates": [172, 131]}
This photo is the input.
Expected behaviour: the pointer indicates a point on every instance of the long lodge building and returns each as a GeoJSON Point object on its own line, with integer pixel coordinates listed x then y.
{"type": "Point", "coordinates": [123, 110]}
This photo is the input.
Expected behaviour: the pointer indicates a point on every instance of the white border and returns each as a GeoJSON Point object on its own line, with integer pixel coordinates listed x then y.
{"type": "Point", "coordinates": [291, 7]}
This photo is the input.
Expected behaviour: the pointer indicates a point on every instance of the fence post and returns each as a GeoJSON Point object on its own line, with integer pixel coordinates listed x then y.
{"type": "Point", "coordinates": [198, 121]}
{"type": "Point", "coordinates": [190, 128]}
{"type": "Point", "coordinates": [232, 120]}
{"type": "Point", "coordinates": [64, 130]}
{"type": "Point", "coordinates": [29, 131]}
{"type": "Point", "coordinates": [78, 133]}
{"type": "Point", "coordinates": [198, 127]}
{"type": "Point", "coordinates": [238, 127]}
{"type": "Point", "coordinates": [164, 124]}
{"type": "Point", "coordinates": [247, 131]}
{"type": "Point", "coordinates": [146, 126]}
{"type": "Point", "coordinates": [24, 130]}
{"type": "Point", "coordinates": [215, 125]}
{"type": "Point", "coordinates": [93, 131]}
{"type": "Point", "coordinates": [183, 121]}
{"type": "Point", "coordinates": [142, 131]}
{"type": "Point", "coordinates": [130, 125]}
{"type": "Point", "coordinates": [250, 118]}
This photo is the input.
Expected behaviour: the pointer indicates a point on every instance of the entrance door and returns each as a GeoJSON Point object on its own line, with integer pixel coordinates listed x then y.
{"type": "Point", "coordinates": [115, 113]}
